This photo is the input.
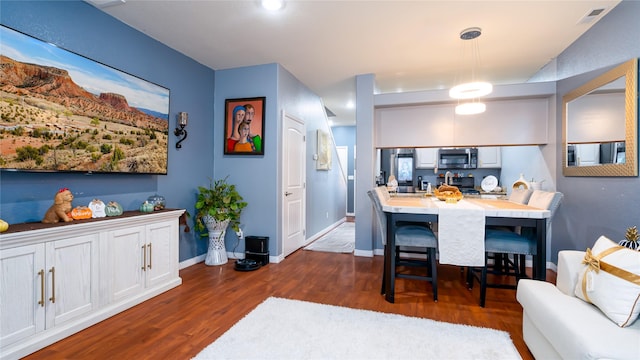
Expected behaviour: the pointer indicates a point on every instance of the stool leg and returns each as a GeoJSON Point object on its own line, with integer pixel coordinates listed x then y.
{"type": "Point", "coordinates": [483, 286]}
{"type": "Point", "coordinates": [434, 273]}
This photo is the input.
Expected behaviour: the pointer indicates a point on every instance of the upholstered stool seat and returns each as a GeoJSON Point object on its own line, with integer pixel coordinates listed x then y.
{"type": "Point", "coordinates": [508, 242]}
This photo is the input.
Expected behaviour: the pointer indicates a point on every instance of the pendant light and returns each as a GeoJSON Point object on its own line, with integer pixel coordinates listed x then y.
{"type": "Point", "coordinates": [470, 91]}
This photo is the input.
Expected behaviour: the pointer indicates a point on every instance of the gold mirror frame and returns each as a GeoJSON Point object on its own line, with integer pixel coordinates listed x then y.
{"type": "Point", "coordinates": [630, 167]}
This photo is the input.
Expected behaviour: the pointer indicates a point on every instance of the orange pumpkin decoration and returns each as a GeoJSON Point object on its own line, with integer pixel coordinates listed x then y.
{"type": "Point", "coordinates": [81, 212]}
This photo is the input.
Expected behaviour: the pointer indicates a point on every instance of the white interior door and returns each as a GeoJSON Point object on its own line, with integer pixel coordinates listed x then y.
{"type": "Point", "coordinates": [293, 189]}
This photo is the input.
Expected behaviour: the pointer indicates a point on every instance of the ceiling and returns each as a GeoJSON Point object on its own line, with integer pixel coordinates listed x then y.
{"type": "Point", "coordinates": [408, 45]}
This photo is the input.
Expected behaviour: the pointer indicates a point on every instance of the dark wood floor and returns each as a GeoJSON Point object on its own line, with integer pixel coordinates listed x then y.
{"type": "Point", "coordinates": [181, 322]}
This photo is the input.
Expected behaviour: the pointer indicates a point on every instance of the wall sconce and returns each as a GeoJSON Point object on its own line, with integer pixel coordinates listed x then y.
{"type": "Point", "coordinates": [183, 117]}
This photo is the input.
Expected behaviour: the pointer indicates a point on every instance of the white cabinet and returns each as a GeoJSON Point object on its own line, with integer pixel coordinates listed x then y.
{"type": "Point", "coordinates": [518, 121]}
{"type": "Point", "coordinates": [71, 267]}
{"type": "Point", "coordinates": [22, 285]}
{"type": "Point", "coordinates": [46, 285]}
{"type": "Point", "coordinates": [57, 280]}
{"type": "Point", "coordinates": [426, 158]}
{"type": "Point", "coordinates": [490, 157]}
{"type": "Point", "coordinates": [141, 257]}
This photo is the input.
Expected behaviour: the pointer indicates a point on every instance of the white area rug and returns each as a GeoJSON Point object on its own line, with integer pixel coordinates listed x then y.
{"type": "Point", "coordinates": [291, 329]}
{"type": "Point", "coordinates": [340, 240]}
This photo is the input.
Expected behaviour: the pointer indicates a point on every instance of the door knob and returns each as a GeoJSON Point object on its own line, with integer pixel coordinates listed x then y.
{"type": "Point", "coordinates": [287, 193]}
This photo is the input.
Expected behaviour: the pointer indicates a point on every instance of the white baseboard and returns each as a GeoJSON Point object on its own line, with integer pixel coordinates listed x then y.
{"type": "Point", "coordinates": [323, 232]}
{"type": "Point", "coordinates": [363, 253]}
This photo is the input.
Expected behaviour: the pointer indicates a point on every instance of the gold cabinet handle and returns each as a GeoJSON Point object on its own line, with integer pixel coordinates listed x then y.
{"type": "Point", "coordinates": [41, 273]}
{"type": "Point", "coordinates": [53, 285]}
{"type": "Point", "coordinates": [144, 252]}
{"type": "Point", "coordinates": [150, 257]}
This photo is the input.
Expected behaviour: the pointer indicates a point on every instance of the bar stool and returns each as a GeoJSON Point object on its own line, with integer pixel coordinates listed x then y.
{"type": "Point", "coordinates": [415, 235]}
{"type": "Point", "coordinates": [503, 242]}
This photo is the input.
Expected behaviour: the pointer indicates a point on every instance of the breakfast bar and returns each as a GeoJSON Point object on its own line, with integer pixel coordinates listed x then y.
{"type": "Point", "coordinates": [497, 212]}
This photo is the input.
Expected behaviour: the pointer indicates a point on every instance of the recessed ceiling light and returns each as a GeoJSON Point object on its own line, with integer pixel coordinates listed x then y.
{"type": "Point", "coordinates": [272, 4]}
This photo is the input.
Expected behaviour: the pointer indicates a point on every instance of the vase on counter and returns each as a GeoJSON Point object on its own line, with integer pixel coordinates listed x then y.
{"type": "Point", "coordinates": [521, 183]}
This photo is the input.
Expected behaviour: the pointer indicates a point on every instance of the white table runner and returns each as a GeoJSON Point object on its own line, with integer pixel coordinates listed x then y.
{"type": "Point", "coordinates": [460, 233]}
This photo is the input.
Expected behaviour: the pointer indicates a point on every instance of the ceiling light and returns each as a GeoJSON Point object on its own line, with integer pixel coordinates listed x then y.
{"type": "Point", "coordinates": [472, 88]}
{"type": "Point", "coordinates": [470, 108]}
{"type": "Point", "coordinates": [272, 4]}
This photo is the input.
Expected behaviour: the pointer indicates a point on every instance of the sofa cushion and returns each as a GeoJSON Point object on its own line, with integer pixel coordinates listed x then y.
{"type": "Point", "coordinates": [574, 328]}
{"type": "Point", "coordinates": [610, 279]}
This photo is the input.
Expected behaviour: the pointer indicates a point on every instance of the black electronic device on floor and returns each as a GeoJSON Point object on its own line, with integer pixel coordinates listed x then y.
{"type": "Point", "coordinates": [246, 265]}
{"type": "Point", "coordinates": [257, 248]}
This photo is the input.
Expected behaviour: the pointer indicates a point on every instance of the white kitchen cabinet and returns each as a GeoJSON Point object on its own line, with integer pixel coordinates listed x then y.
{"type": "Point", "coordinates": [521, 121]}
{"type": "Point", "coordinates": [59, 279]}
{"type": "Point", "coordinates": [426, 158]}
{"type": "Point", "coordinates": [490, 157]}
{"type": "Point", "coordinates": [48, 284]}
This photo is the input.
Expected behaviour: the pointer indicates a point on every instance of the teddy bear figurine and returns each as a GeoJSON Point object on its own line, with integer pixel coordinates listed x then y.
{"type": "Point", "coordinates": [60, 209]}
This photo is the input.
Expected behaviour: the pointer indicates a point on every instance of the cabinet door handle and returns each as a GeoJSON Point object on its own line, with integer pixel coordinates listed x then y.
{"type": "Point", "coordinates": [41, 273]}
{"type": "Point", "coordinates": [144, 251]}
{"type": "Point", "coordinates": [150, 257]}
{"type": "Point", "coordinates": [53, 285]}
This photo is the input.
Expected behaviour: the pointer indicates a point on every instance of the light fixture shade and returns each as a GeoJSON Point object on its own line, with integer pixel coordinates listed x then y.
{"type": "Point", "coordinates": [471, 90]}
{"type": "Point", "coordinates": [272, 4]}
{"type": "Point", "coordinates": [471, 108]}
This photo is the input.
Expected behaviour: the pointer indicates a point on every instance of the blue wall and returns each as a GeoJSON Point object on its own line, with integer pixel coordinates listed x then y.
{"type": "Point", "coordinates": [254, 176]}
{"type": "Point", "coordinates": [258, 177]}
{"type": "Point", "coordinates": [595, 206]}
{"type": "Point", "coordinates": [326, 190]}
{"type": "Point", "coordinates": [79, 27]}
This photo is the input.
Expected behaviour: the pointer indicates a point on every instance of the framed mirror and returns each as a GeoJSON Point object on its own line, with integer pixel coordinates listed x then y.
{"type": "Point", "coordinates": [600, 125]}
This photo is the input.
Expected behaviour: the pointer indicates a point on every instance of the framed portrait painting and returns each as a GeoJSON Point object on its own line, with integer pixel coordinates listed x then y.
{"type": "Point", "coordinates": [244, 126]}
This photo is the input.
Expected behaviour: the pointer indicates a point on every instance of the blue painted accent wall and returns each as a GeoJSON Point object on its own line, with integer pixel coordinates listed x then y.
{"type": "Point", "coordinates": [325, 190]}
{"type": "Point", "coordinates": [255, 176]}
{"type": "Point", "coordinates": [81, 28]}
{"type": "Point", "coordinates": [595, 206]}
{"type": "Point", "coordinates": [258, 177]}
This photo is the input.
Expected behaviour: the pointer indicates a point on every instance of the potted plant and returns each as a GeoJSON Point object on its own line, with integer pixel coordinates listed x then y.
{"type": "Point", "coordinates": [218, 207]}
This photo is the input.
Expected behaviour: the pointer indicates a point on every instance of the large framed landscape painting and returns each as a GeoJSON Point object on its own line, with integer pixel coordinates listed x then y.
{"type": "Point", "coordinates": [244, 126]}
{"type": "Point", "coordinates": [60, 111]}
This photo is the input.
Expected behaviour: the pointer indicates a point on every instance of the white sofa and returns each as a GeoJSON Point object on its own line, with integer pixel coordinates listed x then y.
{"type": "Point", "coordinates": [558, 325]}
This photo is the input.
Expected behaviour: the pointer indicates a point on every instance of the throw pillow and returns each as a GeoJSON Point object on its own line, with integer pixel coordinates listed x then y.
{"type": "Point", "coordinates": [610, 280]}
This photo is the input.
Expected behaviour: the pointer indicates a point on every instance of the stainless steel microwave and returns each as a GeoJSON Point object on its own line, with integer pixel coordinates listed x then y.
{"type": "Point", "coordinates": [463, 158]}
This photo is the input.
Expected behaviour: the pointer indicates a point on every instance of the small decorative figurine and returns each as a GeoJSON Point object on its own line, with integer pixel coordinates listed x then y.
{"type": "Point", "coordinates": [113, 209]}
{"type": "Point", "coordinates": [80, 213]}
{"type": "Point", "coordinates": [97, 208]}
{"type": "Point", "coordinates": [631, 239]}
{"type": "Point", "coordinates": [60, 208]}
{"type": "Point", "coordinates": [146, 207]}
{"type": "Point", "coordinates": [157, 201]}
